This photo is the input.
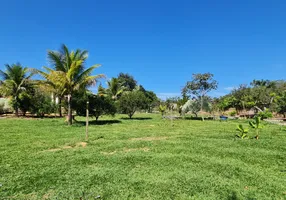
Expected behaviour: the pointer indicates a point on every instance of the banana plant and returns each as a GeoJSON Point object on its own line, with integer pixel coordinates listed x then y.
{"type": "Point", "coordinates": [242, 132]}
{"type": "Point", "coordinates": [256, 124]}
{"type": "Point", "coordinates": [162, 109]}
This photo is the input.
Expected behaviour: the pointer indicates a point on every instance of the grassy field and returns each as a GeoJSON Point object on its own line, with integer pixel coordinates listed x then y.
{"type": "Point", "coordinates": [143, 158]}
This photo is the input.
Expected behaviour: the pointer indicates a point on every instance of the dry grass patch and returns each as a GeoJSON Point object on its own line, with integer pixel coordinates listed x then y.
{"type": "Point", "coordinates": [145, 149]}
{"type": "Point", "coordinates": [78, 145]}
{"type": "Point", "coordinates": [149, 138]}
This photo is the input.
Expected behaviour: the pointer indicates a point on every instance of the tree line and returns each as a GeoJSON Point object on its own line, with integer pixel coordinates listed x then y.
{"type": "Point", "coordinates": [65, 85]}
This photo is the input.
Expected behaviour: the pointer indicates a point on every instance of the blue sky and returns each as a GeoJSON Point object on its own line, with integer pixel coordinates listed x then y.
{"type": "Point", "coordinates": [160, 42]}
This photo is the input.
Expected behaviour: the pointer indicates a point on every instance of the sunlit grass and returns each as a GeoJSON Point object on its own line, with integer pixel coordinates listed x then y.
{"type": "Point", "coordinates": [144, 158]}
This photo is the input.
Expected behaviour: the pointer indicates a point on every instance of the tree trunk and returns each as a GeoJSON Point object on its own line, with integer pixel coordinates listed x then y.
{"type": "Point", "coordinates": [16, 107]}
{"type": "Point", "coordinates": [69, 110]}
{"type": "Point", "coordinates": [16, 111]}
{"type": "Point", "coordinates": [96, 118]}
{"type": "Point", "coordinates": [60, 107]}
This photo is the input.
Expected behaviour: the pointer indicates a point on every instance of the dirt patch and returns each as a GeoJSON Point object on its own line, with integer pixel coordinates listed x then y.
{"type": "Point", "coordinates": [108, 153]}
{"type": "Point", "coordinates": [126, 150]}
{"type": "Point", "coordinates": [67, 147]}
{"type": "Point", "coordinates": [149, 138]}
{"type": "Point", "coordinates": [145, 149]}
{"type": "Point", "coordinates": [78, 145]}
{"type": "Point", "coordinates": [48, 195]}
{"type": "Point", "coordinates": [81, 144]}
{"type": "Point", "coordinates": [53, 150]}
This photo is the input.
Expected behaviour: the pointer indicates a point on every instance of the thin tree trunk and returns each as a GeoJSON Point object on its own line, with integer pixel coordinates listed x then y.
{"type": "Point", "coordinates": [60, 107]}
{"type": "Point", "coordinates": [16, 111]}
{"type": "Point", "coordinates": [69, 110]}
{"type": "Point", "coordinates": [16, 107]}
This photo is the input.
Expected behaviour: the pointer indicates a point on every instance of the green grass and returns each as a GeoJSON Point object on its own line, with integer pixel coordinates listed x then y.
{"type": "Point", "coordinates": [42, 159]}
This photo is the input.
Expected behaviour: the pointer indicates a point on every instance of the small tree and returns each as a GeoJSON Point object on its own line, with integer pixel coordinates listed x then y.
{"type": "Point", "coordinates": [41, 103]}
{"type": "Point", "coordinates": [98, 106]}
{"type": "Point", "coordinates": [132, 101]}
{"type": "Point", "coordinates": [162, 109]}
{"type": "Point", "coordinates": [200, 85]}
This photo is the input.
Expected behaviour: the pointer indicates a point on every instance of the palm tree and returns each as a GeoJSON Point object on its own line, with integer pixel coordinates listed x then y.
{"type": "Point", "coordinates": [69, 74]}
{"type": "Point", "coordinates": [114, 88]}
{"type": "Point", "coordinates": [15, 80]}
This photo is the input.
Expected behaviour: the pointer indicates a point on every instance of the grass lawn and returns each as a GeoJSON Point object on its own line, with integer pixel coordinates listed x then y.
{"type": "Point", "coordinates": [144, 158]}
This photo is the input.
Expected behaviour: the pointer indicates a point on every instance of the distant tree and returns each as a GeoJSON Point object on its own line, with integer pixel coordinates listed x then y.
{"type": "Point", "coordinates": [98, 105]}
{"type": "Point", "coordinates": [152, 100]}
{"type": "Point", "coordinates": [195, 105]}
{"type": "Point", "coordinates": [15, 80]}
{"type": "Point", "coordinates": [101, 91]}
{"type": "Point", "coordinates": [199, 86]}
{"type": "Point", "coordinates": [132, 101]}
{"type": "Point", "coordinates": [127, 81]}
{"type": "Point", "coordinates": [281, 104]}
{"type": "Point", "coordinates": [115, 88]}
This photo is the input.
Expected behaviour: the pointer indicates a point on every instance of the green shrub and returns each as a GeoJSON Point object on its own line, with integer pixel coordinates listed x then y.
{"type": "Point", "coordinates": [232, 113]}
{"type": "Point", "coordinates": [132, 101]}
{"type": "Point", "coordinates": [264, 114]}
{"type": "Point", "coordinates": [256, 124]}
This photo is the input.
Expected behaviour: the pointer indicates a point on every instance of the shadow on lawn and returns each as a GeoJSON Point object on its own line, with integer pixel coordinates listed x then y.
{"type": "Point", "coordinates": [199, 118]}
{"type": "Point", "coordinates": [136, 118]}
{"type": "Point", "coordinates": [99, 122]}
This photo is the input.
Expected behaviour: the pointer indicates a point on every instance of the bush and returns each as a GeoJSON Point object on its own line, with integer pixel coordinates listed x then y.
{"type": "Point", "coordinates": [232, 113]}
{"type": "Point", "coordinates": [265, 114]}
{"type": "Point", "coordinates": [132, 101]}
{"type": "Point", "coordinates": [41, 104]}
{"type": "Point", "coordinates": [98, 105]}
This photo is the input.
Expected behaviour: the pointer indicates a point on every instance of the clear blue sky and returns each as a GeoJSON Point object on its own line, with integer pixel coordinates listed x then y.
{"type": "Point", "coordinates": [160, 42]}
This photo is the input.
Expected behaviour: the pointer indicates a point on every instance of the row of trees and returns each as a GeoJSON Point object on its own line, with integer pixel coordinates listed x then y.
{"type": "Point", "coordinates": [65, 85]}
{"type": "Point", "coordinates": [264, 97]}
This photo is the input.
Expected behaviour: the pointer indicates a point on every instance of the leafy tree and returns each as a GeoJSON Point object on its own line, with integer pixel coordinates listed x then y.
{"type": "Point", "coordinates": [70, 74]}
{"type": "Point", "coordinates": [25, 102]}
{"type": "Point", "coordinates": [199, 86]}
{"type": "Point", "coordinates": [15, 80]}
{"type": "Point", "coordinates": [281, 104]}
{"type": "Point", "coordinates": [98, 106]}
{"type": "Point", "coordinates": [132, 101]}
{"type": "Point", "coordinates": [115, 88]}
{"type": "Point", "coordinates": [152, 100]}
{"type": "Point", "coordinates": [193, 106]}
{"type": "Point", "coordinates": [127, 81]}
{"type": "Point", "coordinates": [41, 103]}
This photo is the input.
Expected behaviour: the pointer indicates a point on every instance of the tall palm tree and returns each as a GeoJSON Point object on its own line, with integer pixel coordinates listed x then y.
{"type": "Point", "coordinates": [15, 80]}
{"type": "Point", "coordinates": [69, 73]}
{"type": "Point", "coordinates": [114, 88]}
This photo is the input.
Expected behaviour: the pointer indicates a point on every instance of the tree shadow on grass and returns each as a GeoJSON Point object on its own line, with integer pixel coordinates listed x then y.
{"type": "Point", "coordinates": [99, 122]}
{"type": "Point", "coordinates": [199, 118]}
{"type": "Point", "coordinates": [136, 118]}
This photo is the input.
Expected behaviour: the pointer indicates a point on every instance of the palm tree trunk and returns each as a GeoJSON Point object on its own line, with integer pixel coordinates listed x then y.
{"type": "Point", "coordinates": [69, 110]}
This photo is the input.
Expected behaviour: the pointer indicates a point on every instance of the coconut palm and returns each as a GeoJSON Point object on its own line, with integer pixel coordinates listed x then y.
{"type": "Point", "coordinates": [68, 73]}
{"type": "Point", "coordinates": [15, 80]}
{"type": "Point", "coordinates": [114, 88]}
